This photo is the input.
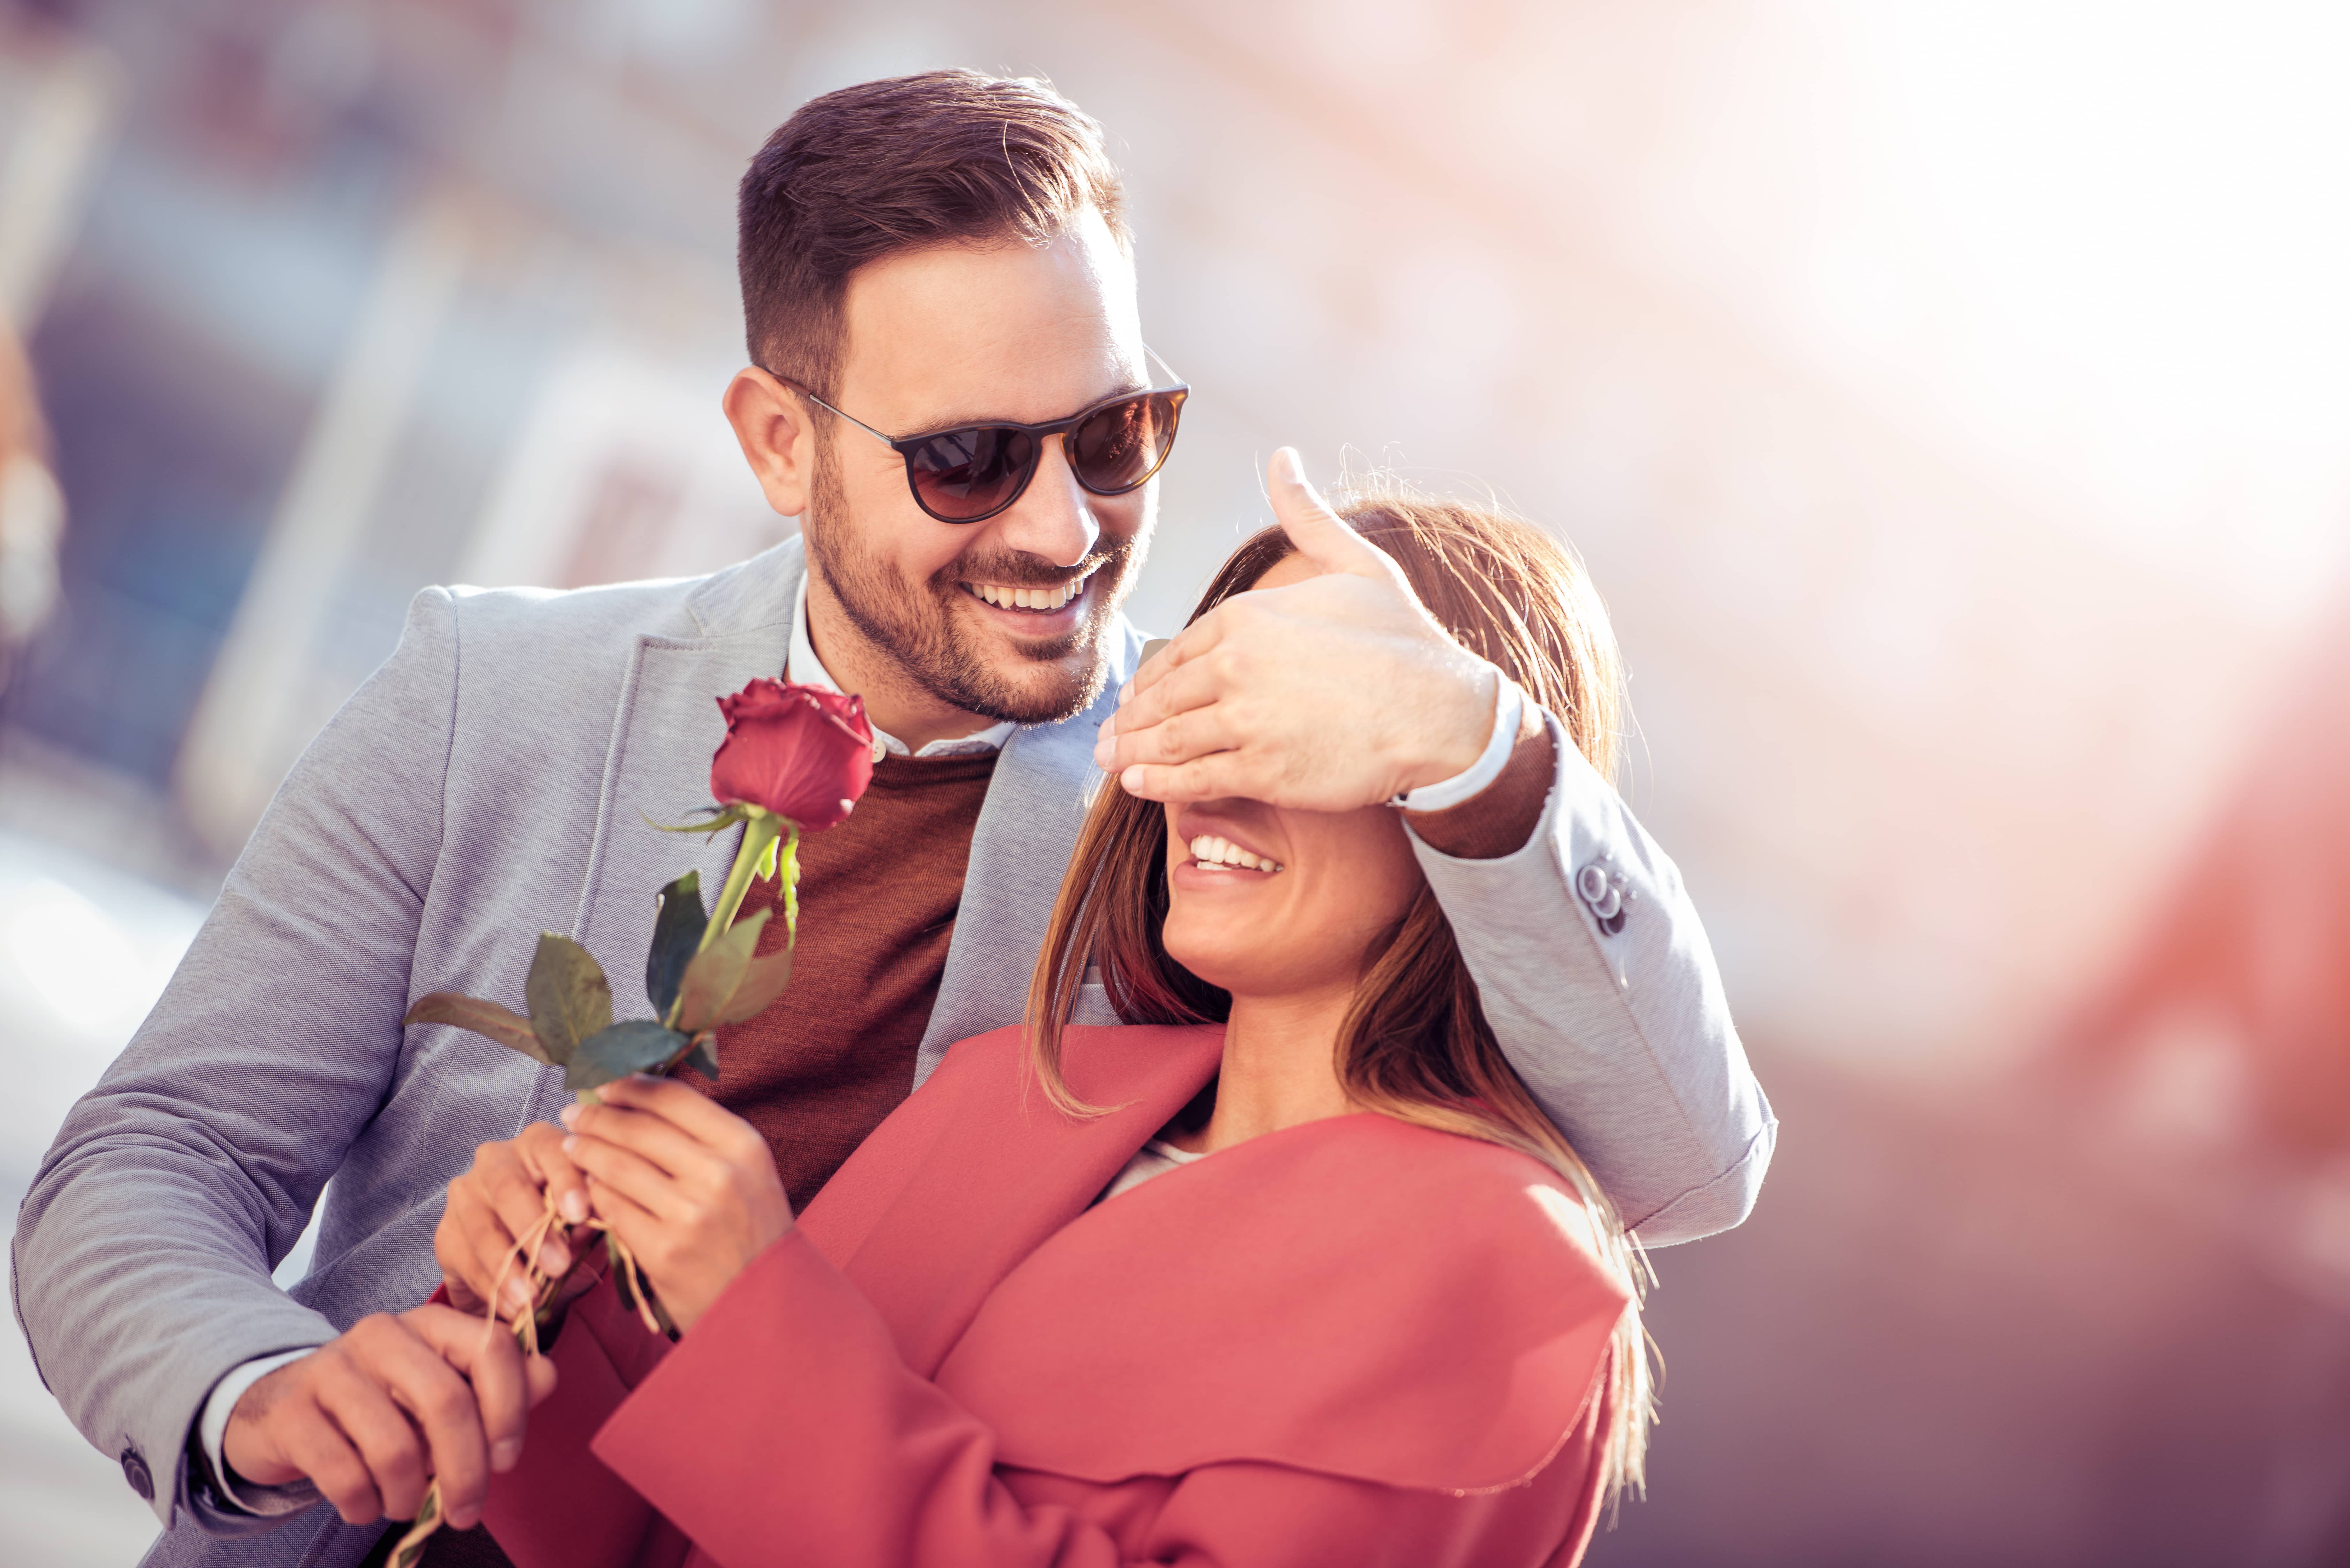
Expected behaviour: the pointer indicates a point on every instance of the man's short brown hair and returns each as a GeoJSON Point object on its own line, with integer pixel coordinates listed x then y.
{"type": "Point", "coordinates": [894, 165]}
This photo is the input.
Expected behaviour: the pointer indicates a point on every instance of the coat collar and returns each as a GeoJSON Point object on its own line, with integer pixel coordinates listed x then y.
{"type": "Point", "coordinates": [969, 1176]}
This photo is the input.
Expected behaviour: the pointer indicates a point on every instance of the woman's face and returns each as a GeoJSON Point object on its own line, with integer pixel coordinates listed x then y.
{"type": "Point", "coordinates": [1265, 901]}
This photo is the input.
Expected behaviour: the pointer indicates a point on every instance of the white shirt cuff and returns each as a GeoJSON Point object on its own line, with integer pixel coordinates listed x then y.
{"type": "Point", "coordinates": [268, 1501]}
{"type": "Point", "coordinates": [1509, 709]}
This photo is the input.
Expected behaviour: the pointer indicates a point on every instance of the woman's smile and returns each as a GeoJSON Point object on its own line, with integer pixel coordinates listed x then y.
{"type": "Point", "coordinates": [1223, 851]}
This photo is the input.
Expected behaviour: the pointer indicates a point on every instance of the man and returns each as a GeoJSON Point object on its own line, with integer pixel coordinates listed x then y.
{"type": "Point", "coordinates": [940, 252]}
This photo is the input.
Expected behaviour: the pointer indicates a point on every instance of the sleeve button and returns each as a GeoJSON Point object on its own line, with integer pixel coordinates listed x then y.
{"type": "Point", "coordinates": [1604, 893]}
{"type": "Point", "coordinates": [134, 1470]}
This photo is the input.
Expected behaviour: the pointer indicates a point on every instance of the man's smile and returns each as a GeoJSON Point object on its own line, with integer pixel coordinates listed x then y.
{"type": "Point", "coordinates": [1028, 601]}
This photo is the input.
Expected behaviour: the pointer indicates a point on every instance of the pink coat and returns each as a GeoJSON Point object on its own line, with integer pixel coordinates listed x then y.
{"type": "Point", "coordinates": [1350, 1341]}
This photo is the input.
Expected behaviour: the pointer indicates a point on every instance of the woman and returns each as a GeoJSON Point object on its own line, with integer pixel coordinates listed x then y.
{"type": "Point", "coordinates": [1290, 1269]}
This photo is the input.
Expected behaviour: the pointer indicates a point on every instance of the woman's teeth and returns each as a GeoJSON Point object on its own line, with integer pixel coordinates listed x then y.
{"type": "Point", "coordinates": [1050, 598]}
{"type": "Point", "coordinates": [1209, 850]}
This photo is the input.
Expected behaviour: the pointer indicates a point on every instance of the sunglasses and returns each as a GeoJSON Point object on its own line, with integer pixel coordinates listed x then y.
{"type": "Point", "coordinates": [970, 472]}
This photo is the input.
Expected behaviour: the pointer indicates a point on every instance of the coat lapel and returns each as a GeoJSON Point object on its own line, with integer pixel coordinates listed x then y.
{"type": "Point", "coordinates": [975, 1171]}
{"type": "Point", "coordinates": [1028, 829]}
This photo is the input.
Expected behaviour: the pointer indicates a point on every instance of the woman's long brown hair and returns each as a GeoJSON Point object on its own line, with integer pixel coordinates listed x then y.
{"type": "Point", "coordinates": [1415, 1045]}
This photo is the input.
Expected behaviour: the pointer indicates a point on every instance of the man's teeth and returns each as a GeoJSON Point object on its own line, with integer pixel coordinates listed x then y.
{"type": "Point", "coordinates": [1209, 850]}
{"type": "Point", "coordinates": [1050, 598]}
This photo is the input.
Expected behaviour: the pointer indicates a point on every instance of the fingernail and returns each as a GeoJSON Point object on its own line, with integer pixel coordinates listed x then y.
{"type": "Point", "coordinates": [555, 1260]}
{"type": "Point", "coordinates": [574, 1208]}
{"type": "Point", "coordinates": [569, 1116]}
{"type": "Point", "coordinates": [571, 1144]}
{"type": "Point", "coordinates": [517, 1301]}
{"type": "Point", "coordinates": [1287, 468]}
{"type": "Point", "coordinates": [504, 1454]}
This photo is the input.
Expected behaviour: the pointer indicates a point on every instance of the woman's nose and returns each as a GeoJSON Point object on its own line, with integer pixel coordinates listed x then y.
{"type": "Point", "coordinates": [1054, 517]}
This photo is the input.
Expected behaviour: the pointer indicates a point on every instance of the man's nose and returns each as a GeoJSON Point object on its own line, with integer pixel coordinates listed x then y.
{"type": "Point", "coordinates": [1054, 517]}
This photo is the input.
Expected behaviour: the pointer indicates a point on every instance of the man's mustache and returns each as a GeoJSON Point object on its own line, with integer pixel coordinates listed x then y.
{"type": "Point", "coordinates": [1019, 569]}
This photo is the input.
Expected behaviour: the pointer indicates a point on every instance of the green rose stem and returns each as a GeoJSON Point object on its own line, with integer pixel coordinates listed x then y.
{"type": "Point", "coordinates": [771, 847]}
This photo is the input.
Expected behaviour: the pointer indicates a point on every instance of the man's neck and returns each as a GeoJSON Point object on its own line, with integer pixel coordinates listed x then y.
{"type": "Point", "coordinates": [1279, 1068]}
{"type": "Point", "coordinates": [894, 703]}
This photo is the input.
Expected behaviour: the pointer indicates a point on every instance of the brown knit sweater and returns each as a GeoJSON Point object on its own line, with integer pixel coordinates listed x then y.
{"type": "Point", "coordinates": [819, 1070]}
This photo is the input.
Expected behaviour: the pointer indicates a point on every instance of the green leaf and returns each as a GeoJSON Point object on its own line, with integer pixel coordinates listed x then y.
{"type": "Point", "coordinates": [715, 973]}
{"type": "Point", "coordinates": [569, 997]}
{"type": "Point", "coordinates": [766, 865]}
{"type": "Point", "coordinates": [703, 1057]}
{"type": "Point", "coordinates": [723, 816]}
{"type": "Point", "coordinates": [762, 981]}
{"type": "Point", "coordinates": [637, 1046]}
{"type": "Point", "coordinates": [676, 936]}
{"type": "Point", "coordinates": [504, 1025]}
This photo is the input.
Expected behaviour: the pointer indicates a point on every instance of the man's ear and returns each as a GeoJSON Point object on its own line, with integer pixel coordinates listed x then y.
{"type": "Point", "coordinates": [771, 421]}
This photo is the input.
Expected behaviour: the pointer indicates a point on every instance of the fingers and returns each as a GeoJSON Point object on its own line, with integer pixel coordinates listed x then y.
{"type": "Point", "coordinates": [1163, 655]}
{"type": "Point", "coordinates": [354, 1391]}
{"type": "Point", "coordinates": [671, 1126]}
{"type": "Point", "coordinates": [1319, 534]}
{"type": "Point", "coordinates": [1191, 683]}
{"type": "Point", "coordinates": [542, 1146]}
{"type": "Point", "coordinates": [1222, 777]}
{"type": "Point", "coordinates": [489, 1207]}
{"type": "Point", "coordinates": [638, 1229]}
{"type": "Point", "coordinates": [1178, 738]}
{"type": "Point", "coordinates": [613, 1168]}
{"type": "Point", "coordinates": [314, 1445]}
{"type": "Point", "coordinates": [497, 1369]}
{"type": "Point", "coordinates": [443, 1406]}
{"type": "Point", "coordinates": [692, 1112]}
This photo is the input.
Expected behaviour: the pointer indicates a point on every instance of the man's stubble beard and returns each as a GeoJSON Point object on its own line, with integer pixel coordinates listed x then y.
{"type": "Point", "coordinates": [913, 622]}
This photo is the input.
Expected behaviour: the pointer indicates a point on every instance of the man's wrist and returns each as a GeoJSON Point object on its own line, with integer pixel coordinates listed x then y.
{"type": "Point", "coordinates": [212, 1441]}
{"type": "Point", "coordinates": [1502, 819]}
{"type": "Point", "coordinates": [1506, 713]}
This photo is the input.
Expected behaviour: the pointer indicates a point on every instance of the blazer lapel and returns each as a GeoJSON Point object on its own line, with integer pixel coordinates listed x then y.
{"type": "Point", "coordinates": [1028, 829]}
{"type": "Point", "coordinates": [657, 766]}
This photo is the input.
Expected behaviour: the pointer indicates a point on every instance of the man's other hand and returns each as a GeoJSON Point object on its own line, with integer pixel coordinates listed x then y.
{"type": "Point", "coordinates": [1327, 692]}
{"type": "Point", "coordinates": [372, 1417]}
{"type": "Point", "coordinates": [502, 1197]}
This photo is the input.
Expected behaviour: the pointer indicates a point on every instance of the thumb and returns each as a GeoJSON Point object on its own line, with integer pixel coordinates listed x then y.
{"type": "Point", "coordinates": [1320, 534]}
{"type": "Point", "coordinates": [538, 1379]}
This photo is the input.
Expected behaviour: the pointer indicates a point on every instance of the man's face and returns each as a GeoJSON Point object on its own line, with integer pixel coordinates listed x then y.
{"type": "Point", "coordinates": [956, 335]}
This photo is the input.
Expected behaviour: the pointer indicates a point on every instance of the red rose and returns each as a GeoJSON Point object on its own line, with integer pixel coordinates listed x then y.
{"type": "Point", "coordinates": [800, 752]}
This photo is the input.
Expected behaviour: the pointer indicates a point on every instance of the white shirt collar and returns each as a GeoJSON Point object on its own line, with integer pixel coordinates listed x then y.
{"type": "Point", "coordinates": [802, 668]}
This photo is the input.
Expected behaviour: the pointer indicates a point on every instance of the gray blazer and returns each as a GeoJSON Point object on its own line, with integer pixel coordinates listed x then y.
{"type": "Point", "coordinates": [491, 781]}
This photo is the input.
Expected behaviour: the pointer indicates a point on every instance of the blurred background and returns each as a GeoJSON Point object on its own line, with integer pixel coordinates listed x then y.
{"type": "Point", "coordinates": [1952, 404]}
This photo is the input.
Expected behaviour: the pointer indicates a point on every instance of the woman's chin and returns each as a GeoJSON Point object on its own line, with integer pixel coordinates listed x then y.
{"type": "Point", "coordinates": [1228, 957]}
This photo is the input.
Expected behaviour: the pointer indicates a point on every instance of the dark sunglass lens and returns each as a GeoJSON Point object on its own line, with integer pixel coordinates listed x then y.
{"type": "Point", "coordinates": [1118, 447]}
{"type": "Point", "coordinates": [965, 474]}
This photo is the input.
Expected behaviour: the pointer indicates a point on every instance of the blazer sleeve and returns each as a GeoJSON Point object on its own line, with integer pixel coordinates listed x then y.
{"type": "Point", "coordinates": [785, 1428]}
{"type": "Point", "coordinates": [144, 1251]}
{"type": "Point", "coordinates": [1616, 1019]}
